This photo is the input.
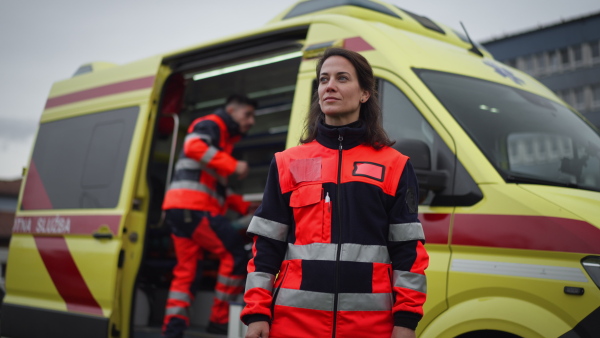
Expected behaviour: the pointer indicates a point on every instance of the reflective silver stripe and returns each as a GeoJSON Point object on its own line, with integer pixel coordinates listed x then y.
{"type": "Point", "coordinates": [177, 310]}
{"type": "Point", "coordinates": [406, 232]}
{"type": "Point", "coordinates": [193, 185]}
{"type": "Point", "coordinates": [187, 164]}
{"type": "Point", "coordinates": [180, 296]}
{"type": "Point", "coordinates": [410, 280]}
{"type": "Point", "coordinates": [267, 228]}
{"type": "Point", "coordinates": [213, 173]}
{"type": "Point", "coordinates": [231, 281]}
{"type": "Point", "coordinates": [365, 302]}
{"type": "Point", "coordinates": [324, 301]}
{"type": "Point", "coordinates": [204, 137]}
{"type": "Point", "coordinates": [350, 252]}
{"type": "Point", "coordinates": [261, 280]}
{"type": "Point", "coordinates": [519, 270]}
{"type": "Point", "coordinates": [209, 154]}
{"type": "Point", "coordinates": [305, 299]}
{"type": "Point", "coordinates": [227, 297]}
{"type": "Point", "coordinates": [364, 253]}
{"type": "Point", "coordinates": [314, 251]}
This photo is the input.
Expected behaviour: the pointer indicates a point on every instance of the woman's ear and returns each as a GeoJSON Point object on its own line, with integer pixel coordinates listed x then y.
{"type": "Point", "coordinates": [365, 96]}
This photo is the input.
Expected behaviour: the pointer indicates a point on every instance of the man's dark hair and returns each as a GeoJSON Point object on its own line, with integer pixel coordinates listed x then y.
{"type": "Point", "coordinates": [370, 111]}
{"type": "Point", "coordinates": [241, 99]}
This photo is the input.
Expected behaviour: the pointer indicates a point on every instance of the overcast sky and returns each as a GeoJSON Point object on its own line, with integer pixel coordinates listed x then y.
{"type": "Point", "coordinates": [44, 41]}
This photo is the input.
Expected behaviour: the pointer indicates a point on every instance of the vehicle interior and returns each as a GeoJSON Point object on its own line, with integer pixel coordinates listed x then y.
{"type": "Point", "coordinates": [199, 85]}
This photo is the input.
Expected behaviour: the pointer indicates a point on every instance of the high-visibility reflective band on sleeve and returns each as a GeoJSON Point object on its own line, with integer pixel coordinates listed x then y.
{"type": "Point", "coordinates": [410, 280]}
{"type": "Point", "coordinates": [180, 296]}
{"type": "Point", "coordinates": [267, 228]}
{"type": "Point", "coordinates": [209, 154]}
{"type": "Point", "coordinates": [261, 280]}
{"type": "Point", "coordinates": [177, 310]}
{"type": "Point", "coordinates": [230, 281]}
{"type": "Point", "coordinates": [406, 232]}
{"type": "Point", "coordinates": [204, 137]}
{"type": "Point", "coordinates": [227, 297]}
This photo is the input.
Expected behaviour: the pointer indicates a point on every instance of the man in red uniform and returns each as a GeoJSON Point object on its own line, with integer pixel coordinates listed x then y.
{"type": "Point", "coordinates": [195, 204]}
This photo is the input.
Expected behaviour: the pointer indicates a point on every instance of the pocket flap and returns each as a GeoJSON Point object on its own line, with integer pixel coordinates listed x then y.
{"type": "Point", "coordinates": [306, 195]}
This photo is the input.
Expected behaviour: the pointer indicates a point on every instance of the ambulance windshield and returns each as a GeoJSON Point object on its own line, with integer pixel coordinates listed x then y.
{"type": "Point", "coordinates": [528, 138]}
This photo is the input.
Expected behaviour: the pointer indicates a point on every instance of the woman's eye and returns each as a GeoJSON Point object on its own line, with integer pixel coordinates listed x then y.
{"type": "Point", "coordinates": [323, 80]}
{"type": "Point", "coordinates": [343, 78]}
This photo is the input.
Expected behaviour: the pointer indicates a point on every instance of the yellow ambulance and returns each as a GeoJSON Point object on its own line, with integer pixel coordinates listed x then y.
{"type": "Point", "coordinates": [509, 176]}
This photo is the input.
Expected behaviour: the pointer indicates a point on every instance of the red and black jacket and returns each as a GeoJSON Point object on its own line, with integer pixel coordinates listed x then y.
{"type": "Point", "coordinates": [205, 162]}
{"type": "Point", "coordinates": [338, 248]}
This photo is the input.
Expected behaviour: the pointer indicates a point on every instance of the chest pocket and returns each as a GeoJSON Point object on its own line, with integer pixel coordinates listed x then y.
{"type": "Point", "coordinates": [312, 214]}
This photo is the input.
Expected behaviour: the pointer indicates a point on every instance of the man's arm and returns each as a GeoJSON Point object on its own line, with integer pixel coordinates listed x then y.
{"type": "Point", "coordinates": [200, 145]}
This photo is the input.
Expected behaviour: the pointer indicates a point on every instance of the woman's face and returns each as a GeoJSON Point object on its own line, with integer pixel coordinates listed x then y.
{"type": "Point", "coordinates": [340, 95]}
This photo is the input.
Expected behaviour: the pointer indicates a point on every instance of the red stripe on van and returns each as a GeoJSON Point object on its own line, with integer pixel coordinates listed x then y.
{"type": "Point", "coordinates": [436, 227]}
{"type": "Point", "coordinates": [66, 276]}
{"type": "Point", "coordinates": [111, 89]}
{"type": "Point", "coordinates": [63, 225]}
{"type": "Point", "coordinates": [35, 195]}
{"type": "Point", "coordinates": [526, 232]}
{"type": "Point", "coordinates": [357, 44]}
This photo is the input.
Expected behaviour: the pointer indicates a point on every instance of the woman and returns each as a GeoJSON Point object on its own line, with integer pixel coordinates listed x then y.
{"type": "Point", "coordinates": [338, 248]}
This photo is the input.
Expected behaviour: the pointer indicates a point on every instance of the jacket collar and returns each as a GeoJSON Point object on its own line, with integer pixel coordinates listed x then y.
{"type": "Point", "coordinates": [352, 135]}
{"type": "Point", "coordinates": [232, 127]}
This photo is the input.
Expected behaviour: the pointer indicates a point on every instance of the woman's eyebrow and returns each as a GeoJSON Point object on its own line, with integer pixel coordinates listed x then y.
{"type": "Point", "coordinates": [338, 73]}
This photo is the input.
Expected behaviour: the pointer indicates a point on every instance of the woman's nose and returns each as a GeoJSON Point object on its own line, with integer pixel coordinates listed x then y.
{"type": "Point", "coordinates": [330, 86]}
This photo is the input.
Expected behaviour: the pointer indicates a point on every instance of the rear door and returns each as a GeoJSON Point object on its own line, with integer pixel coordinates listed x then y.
{"type": "Point", "coordinates": [75, 247]}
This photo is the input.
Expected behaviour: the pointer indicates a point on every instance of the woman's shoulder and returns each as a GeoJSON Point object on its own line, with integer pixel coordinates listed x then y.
{"type": "Point", "coordinates": [386, 152]}
{"type": "Point", "coordinates": [299, 150]}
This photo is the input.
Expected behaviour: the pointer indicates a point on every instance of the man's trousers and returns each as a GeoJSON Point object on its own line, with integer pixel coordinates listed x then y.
{"type": "Point", "coordinates": [193, 232]}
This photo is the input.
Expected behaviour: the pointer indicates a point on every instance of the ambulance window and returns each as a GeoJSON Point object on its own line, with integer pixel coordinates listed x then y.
{"type": "Point", "coordinates": [401, 119]}
{"type": "Point", "coordinates": [528, 138]}
{"type": "Point", "coordinates": [79, 162]}
{"type": "Point", "coordinates": [416, 138]}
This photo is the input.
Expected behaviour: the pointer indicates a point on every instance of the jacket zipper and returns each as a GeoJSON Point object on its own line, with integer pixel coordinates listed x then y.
{"type": "Point", "coordinates": [339, 247]}
{"type": "Point", "coordinates": [276, 293]}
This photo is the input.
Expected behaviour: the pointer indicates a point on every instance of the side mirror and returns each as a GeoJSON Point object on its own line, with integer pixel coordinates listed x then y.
{"type": "Point", "coordinates": [420, 157]}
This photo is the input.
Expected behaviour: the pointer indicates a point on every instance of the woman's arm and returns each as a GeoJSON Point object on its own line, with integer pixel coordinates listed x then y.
{"type": "Point", "coordinates": [269, 227]}
{"type": "Point", "coordinates": [406, 247]}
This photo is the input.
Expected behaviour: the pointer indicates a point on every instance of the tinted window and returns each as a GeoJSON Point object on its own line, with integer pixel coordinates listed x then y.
{"type": "Point", "coordinates": [80, 162]}
{"type": "Point", "coordinates": [416, 138]}
{"type": "Point", "coordinates": [319, 5]}
{"type": "Point", "coordinates": [528, 138]}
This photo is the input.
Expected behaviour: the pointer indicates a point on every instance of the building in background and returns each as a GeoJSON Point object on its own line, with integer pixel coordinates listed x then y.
{"type": "Point", "coordinates": [564, 56]}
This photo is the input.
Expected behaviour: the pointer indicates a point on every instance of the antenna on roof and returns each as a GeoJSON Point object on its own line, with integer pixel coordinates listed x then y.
{"type": "Point", "coordinates": [474, 48]}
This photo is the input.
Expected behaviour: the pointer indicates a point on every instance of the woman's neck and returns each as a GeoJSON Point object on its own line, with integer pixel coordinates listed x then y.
{"type": "Point", "coordinates": [342, 120]}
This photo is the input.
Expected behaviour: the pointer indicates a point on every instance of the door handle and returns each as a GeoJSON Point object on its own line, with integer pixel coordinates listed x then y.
{"type": "Point", "coordinates": [102, 235]}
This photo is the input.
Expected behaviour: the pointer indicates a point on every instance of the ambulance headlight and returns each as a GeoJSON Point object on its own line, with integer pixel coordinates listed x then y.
{"type": "Point", "coordinates": [591, 264]}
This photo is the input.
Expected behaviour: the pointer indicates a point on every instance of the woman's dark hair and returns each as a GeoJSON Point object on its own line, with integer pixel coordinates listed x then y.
{"type": "Point", "coordinates": [370, 111]}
